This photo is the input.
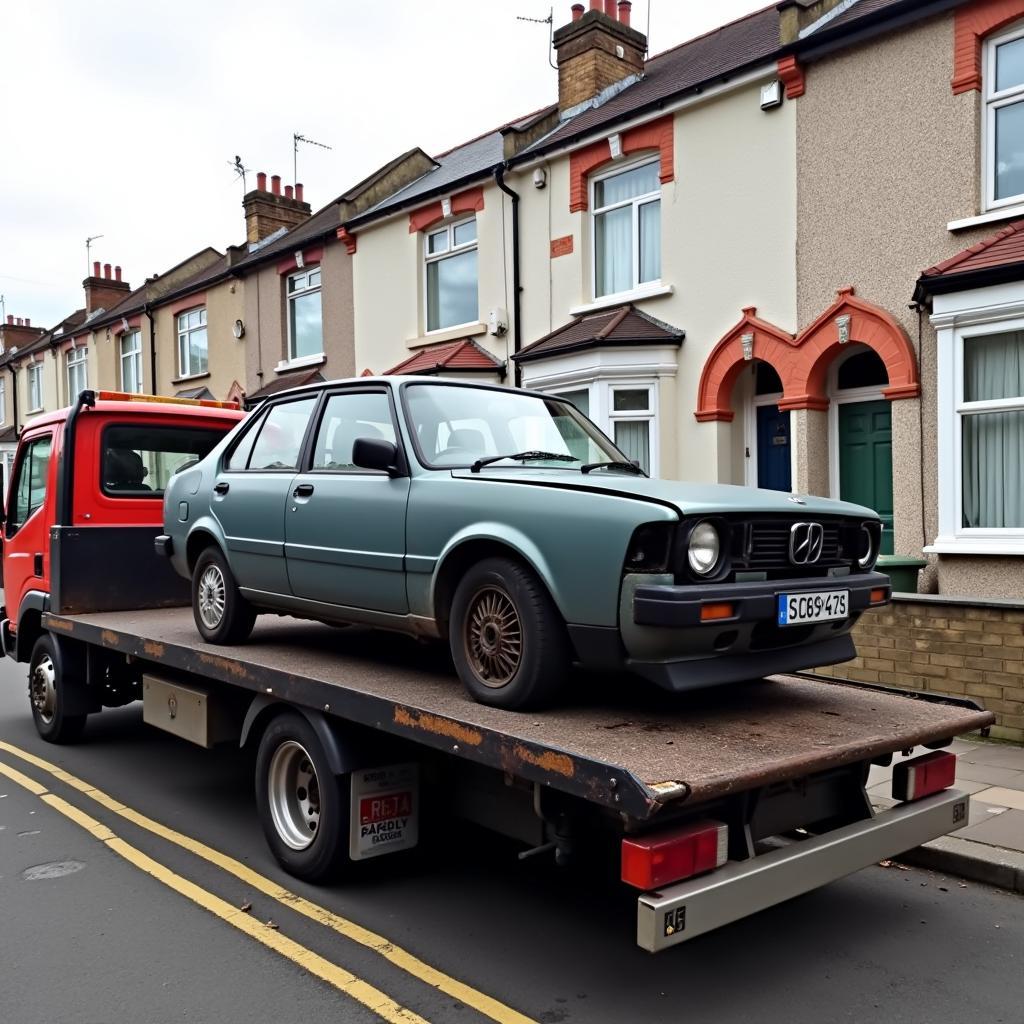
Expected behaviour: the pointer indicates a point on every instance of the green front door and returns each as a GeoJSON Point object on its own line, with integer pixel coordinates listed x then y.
{"type": "Point", "coordinates": [865, 459]}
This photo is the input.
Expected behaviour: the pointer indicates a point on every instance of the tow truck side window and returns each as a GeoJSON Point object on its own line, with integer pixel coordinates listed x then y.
{"type": "Point", "coordinates": [28, 490]}
{"type": "Point", "coordinates": [138, 460]}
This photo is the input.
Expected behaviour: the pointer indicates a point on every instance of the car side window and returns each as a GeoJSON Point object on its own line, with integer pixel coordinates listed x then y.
{"type": "Point", "coordinates": [281, 434]}
{"type": "Point", "coordinates": [238, 457]}
{"type": "Point", "coordinates": [346, 418]}
{"type": "Point", "coordinates": [28, 489]}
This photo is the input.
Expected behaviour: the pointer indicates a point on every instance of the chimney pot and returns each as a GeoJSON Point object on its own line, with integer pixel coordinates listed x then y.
{"type": "Point", "coordinates": [625, 6]}
{"type": "Point", "coordinates": [19, 322]}
{"type": "Point", "coordinates": [10, 319]}
{"type": "Point", "coordinates": [117, 273]}
{"type": "Point", "coordinates": [106, 271]}
{"type": "Point", "coordinates": [96, 268]}
{"type": "Point", "coordinates": [288, 192]}
{"type": "Point", "coordinates": [596, 5]}
{"type": "Point", "coordinates": [261, 181]}
{"type": "Point", "coordinates": [275, 184]}
{"type": "Point", "coordinates": [577, 12]}
{"type": "Point", "coordinates": [609, 8]}
{"type": "Point", "coordinates": [298, 191]}
{"type": "Point", "coordinates": [28, 323]}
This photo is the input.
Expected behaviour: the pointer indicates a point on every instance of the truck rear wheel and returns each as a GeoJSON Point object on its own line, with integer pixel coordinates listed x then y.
{"type": "Point", "coordinates": [507, 638]}
{"type": "Point", "coordinates": [222, 615]}
{"type": "Point", "coordinates": [303, 806]}
{"type": "Point", "coordinates": [47, 690]}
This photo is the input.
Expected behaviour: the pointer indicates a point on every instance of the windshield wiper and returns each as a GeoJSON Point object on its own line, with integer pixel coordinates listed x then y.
{"type": "Point", "coordinates": [523, 457]}
{"type": "Point", "coordinates": [629, 467]}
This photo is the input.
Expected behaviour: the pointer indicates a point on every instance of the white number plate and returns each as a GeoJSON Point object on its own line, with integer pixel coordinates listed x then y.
{"type": "Point", "coordinates": [817, 606]}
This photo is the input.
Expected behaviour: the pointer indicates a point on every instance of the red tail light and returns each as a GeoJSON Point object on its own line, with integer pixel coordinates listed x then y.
{"type": "Point", "coordinates": [650, 861]}
{"type": "Point", "coordinates": [922, 776]}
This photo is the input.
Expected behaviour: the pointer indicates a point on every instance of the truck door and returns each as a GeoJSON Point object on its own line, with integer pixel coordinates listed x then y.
{"type": "Point", "coordinates": [251, 492]}
{"type": "Point", "coordinates": [345, 526]}
{"type": "Point", "coordinates": [27, 522]}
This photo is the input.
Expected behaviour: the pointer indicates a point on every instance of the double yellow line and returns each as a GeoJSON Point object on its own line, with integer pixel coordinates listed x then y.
{"type": "Point", "coordinates": [341, 979]}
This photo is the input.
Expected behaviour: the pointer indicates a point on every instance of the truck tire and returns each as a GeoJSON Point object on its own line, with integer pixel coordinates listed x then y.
{"type": "Point", "coordinates": [303, 806]}
{"type": "Point", "coordinates": [507, 638]}
{"type": "Point", "coordinates": [47, 688]}
{"type": "Point", "coordinates": [222, 615]}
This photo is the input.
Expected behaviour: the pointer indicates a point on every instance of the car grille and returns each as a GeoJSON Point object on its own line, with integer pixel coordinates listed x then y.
{"type": "Point", "coordinates": [762, 545]}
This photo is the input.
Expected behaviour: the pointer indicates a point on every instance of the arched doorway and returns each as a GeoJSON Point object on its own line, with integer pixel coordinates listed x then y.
{"type": "Point", "coordinates": [768, 447]}
{"type": "Point", "coordinates": [860, 434]}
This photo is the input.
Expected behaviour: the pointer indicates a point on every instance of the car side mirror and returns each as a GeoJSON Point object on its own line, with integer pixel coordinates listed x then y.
{"type": "Point", "coordinates": [376, 453]}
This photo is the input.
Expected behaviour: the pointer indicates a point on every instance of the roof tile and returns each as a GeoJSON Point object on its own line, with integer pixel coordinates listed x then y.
{"type": "Point", "coordinates": [464, 354]}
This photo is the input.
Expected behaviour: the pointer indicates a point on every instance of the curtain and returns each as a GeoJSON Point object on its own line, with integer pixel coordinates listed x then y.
{"type": "Point", "coordinates": [993, 442]}
{"type": "Point", "coordinates": [633, 438]}
{"type": "Point", "coordinates": [614, 251]}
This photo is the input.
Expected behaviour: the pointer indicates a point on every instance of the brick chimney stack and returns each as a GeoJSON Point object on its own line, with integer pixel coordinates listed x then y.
{"type": "Point", "coordinates": [596, 50]}
{"type": "Point", "coordinates": [17, 332]}
{"type": "Point", "coordinates": [267, 212]}
{"type": "Point", "coordinates": [106, 290]}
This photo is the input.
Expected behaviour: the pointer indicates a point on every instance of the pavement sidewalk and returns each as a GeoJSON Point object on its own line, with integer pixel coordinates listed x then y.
{"type": "Point", "coordinates": [990, 848]}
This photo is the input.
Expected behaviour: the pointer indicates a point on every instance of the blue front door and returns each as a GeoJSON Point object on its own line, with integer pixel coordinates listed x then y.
{"type": "Point", "coordinates": [773, 460]}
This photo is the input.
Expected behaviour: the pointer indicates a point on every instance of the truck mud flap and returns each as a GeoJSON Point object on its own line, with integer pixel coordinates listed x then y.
{"type": "Point", "coordinates": [681, 912]}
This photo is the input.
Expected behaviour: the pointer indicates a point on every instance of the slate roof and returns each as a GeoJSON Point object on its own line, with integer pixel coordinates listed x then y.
{"type": "Point", "coordinates": [447, 357]}
{"type": "Point", "coordinates": [624, 325]}
{"type": "Point", "coordinates": [860, 10]}
{"type": "Point", "coordinates": [66, 329]}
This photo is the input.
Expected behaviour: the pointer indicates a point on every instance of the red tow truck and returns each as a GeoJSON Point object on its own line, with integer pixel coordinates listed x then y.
{"type": "Point", "coordinates": [715, 805]}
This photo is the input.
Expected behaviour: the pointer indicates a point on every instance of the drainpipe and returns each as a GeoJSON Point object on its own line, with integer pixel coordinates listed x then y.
{"type": "Point", "coordinates": [14, 396]}
{"type": "Point", "coordinates": [517, 337]}
{"type": "Point", "coordinates": [148, 310]}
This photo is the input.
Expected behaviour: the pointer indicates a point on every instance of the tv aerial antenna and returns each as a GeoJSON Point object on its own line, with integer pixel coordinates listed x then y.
{"type": "Point", "coordinates": [88, 253]}
{"type": "Point", "coordinates": [240, 171]}
{"type": "Point", "coordinates": [550, 22]}
{"type": "Point", "coordinates": [297, 137]}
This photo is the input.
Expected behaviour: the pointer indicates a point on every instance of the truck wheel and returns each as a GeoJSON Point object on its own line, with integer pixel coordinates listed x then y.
{"type": "Point", "coordinates": [47, 690]}
{"type": "Point", "coordinates": [507, 638]}
{"type": "Point", "coordinates": [303, 806]}
{"type": "Point", "coordinates": [222, 615]}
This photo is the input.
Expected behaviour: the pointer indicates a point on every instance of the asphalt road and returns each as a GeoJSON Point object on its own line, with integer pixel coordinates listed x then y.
{"type": "Point", "coordinates": [88, 934]}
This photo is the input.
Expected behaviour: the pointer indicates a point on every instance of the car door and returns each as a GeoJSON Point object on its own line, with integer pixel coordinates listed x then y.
{"type": "Point", "coordinates": [26, 526]}
{"type": "Point", "coordinates": [251, 493]}
{"type": "Point", "coordinates": [345, 526]}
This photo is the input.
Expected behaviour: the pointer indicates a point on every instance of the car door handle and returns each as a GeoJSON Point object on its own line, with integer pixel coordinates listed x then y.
{"type": "Point", "coordinates": [222, 487]}
{"type": "Point", "coordinates": [302, 491]}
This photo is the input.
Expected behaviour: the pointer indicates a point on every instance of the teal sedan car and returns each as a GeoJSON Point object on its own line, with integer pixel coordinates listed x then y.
{"type": "Point", "coordinates": [504, 521]}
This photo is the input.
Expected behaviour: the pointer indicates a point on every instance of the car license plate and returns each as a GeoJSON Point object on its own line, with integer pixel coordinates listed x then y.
{"type": "Point", "coordinates": [816, 606]}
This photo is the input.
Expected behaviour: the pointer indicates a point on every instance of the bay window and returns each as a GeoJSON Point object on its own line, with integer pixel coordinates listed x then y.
{"type": "Point", "coordinates": [193, 344]}
{"type": "Point", "coordinates": [627, 229]}
{"type": "Point", "coordinates": [450, 258]}
{"type": "Point", "coordinates": [305, 314]}
{"type": "Point", "coordinates": [1004, 119]}
{"type": "Point", "coordinates": [131, 362]}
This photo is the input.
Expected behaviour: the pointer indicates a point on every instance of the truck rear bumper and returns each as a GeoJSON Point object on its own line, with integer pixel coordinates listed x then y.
{"type": "Point", "coordinates": [680, 912]}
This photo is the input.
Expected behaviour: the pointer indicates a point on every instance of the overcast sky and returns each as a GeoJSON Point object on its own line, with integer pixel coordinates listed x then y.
{"type": "Point", "coordinates": [120, 118]}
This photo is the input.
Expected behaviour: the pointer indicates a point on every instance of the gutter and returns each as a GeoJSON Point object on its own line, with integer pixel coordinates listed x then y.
{"type": "Point", "coordinates": [943, 284]}
{"type": "Point", "coordinates": [148, 310]}
{"type": "Point", "coordinates": [517, 335]}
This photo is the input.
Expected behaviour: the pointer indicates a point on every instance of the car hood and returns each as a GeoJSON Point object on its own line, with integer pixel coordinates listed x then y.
{"type": "Point", "coordinates": [687, 498]}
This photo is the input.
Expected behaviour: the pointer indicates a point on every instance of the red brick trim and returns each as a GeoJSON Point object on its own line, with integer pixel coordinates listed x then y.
{"type": "Point", "coordinates": [463, 202]}
{"type": "Point", "coordinates": [310, 258]}
{"type": "Point", "coordinates": [348, 239]}
{"type": "Point", "coordinates": [802, 362]}
{"type": "Point", "coordinates": [583, 162]}
{"type": "Point", "coordinates": [971, 23]}
{"type": "Point", "coordinates": [194, 301]}
{"type": "Point", "coordinates": [134, 323]}
{"type": "Point", "coordinates": [561, 246]}
{"type": "Point", "coordinates": [791, 74]}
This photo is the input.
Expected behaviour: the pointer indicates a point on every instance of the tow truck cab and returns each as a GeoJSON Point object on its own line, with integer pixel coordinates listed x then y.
{"type": "Point", "coordinates": [86, 501]}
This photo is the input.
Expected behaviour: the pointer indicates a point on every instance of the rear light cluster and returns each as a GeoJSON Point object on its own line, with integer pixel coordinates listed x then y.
{"type": "Point", "coordinates": [922, 776]}
{"type": "Point", "coordinates": [651, 861]}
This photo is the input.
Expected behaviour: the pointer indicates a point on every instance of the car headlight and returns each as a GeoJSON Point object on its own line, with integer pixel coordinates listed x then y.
{"type": "Point", "coordinates": [870, 542]}
{"type": "Point", "coordinates": [704, 549]}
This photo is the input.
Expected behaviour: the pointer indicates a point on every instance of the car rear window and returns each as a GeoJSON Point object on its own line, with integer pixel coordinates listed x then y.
{"type": "Point", "coordinates": [138, 460]}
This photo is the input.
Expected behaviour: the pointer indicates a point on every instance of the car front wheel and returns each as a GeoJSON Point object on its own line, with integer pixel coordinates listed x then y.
{"type": "Point", "coordinates": [222, 615]}
{"type": "Point", "coordinates": [507, 638]}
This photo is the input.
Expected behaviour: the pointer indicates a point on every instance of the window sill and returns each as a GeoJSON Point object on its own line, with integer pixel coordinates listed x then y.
{"type": "Point", "coordinates": [287, 365]}
{"type": "Point", "coordinates": [621, 298]}
{"type": "Point", "coordinates": [993, 546]}
{"type": "Point", "coordinates": [35, 412]}
{"type": "Point", "coordinates": [467, 330]}
{"type": "Point", "coordinates": [992, 217]}
{"type": "Point", "coordinates": [191, 376]}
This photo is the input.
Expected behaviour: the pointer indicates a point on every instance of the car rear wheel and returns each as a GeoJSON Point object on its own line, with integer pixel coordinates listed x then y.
{"type": "Point", "coordinates": [507, 638]}
{"type": "Point", "coordinates": [222, 615]}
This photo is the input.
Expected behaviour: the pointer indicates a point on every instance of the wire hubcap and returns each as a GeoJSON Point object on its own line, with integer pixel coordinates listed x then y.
{"type": "Point", "coordinates": [212, 596]}
{"type": "Point", "coordinates": [493, 637]}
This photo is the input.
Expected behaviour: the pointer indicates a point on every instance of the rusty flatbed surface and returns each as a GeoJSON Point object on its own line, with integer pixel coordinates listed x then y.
{"type": "Point", "coordinates": [616, 741]}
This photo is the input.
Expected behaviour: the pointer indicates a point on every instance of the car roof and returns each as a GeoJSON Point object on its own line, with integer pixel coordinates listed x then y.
{"type": "Point", "coordinates": [395, 380]}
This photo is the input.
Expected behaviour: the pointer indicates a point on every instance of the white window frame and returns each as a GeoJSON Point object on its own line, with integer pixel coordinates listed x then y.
{"type": "Point", "coordinates": [3, 399]}
{"type": "Point", "coordinates": [35, 386]}
{"type": "Point", "coordinates": [437, 257]}
{"type": "Point", "coordinates": [290, 296]}
{"type": "Point", "coordinates": [134, 354]}
{"type": "Point", "coordinates": [76, 359]}
{"type": "Point", "coordinates": [993, 101]}
{"type": "Point", "coordinates": [636, 202]}
{"type": "Point", "coordinates": [954, 327]}
{"type": "Point", "coordinates": [185, 352]}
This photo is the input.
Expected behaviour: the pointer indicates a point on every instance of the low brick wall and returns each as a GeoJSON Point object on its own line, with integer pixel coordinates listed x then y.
{"type": "Point", "coordinates": [963, 649]}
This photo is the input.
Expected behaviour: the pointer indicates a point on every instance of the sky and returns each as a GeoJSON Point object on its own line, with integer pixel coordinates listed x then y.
{"type": "Point", "coordinates": [122, 118]}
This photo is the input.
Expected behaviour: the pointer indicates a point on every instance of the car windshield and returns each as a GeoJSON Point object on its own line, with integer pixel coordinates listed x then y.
{"type": "Point", "coordinates": [457, 426]}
